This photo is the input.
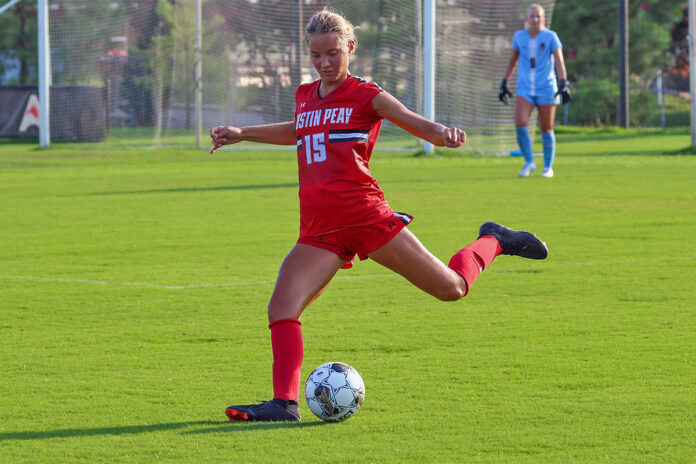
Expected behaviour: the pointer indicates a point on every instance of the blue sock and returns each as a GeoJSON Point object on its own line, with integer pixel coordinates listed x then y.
{"type": "Point", "coordinates": [525, 144]}
{"type": "Point", "coordinates": [548, 141]}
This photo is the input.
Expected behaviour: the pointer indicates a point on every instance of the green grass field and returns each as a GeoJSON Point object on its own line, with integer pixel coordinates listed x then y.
{"type": "Point", "coordinates": [133, 287]}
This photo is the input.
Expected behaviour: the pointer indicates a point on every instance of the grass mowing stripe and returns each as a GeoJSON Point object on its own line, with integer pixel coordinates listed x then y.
{"type": "Point", "coordinates": [132, 284]}
{"type": "Point", "coordinates": [344, 277]}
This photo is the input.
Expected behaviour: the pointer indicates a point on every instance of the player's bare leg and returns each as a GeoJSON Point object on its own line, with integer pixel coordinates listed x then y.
{"type": "Point", "coordinates": [547, 115]}
{"type": "Point", "coordinates": [407, 256]}
{"type": "Point", "coordinates": [304, 274]}
{"type": "Point", "coordinates": [523, 109]}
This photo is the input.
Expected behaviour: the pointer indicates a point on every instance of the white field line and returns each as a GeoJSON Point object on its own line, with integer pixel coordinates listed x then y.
{"type": "Point", "coordinates": [371, 276]}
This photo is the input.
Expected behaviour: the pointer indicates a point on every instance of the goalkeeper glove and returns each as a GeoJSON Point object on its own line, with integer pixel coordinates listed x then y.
{"type": "Point", "coordinates": [563, 91]}
{"type": "Point", "coordinates": [504, 92]}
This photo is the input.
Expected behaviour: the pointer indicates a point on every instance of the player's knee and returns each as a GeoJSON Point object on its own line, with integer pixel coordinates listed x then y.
{"type": "Point", "coordinates": [451, 292]}
{"type": "Point", "coordinates": [275, 313]}
{"type": "Point", "coordinates": [282, 310]}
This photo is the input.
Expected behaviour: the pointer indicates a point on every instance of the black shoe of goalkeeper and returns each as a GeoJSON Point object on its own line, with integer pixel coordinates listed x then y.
{"type": "Point", "coordinates": [515, 242]}
{"type": "Point", "coordinates": [276, 410]}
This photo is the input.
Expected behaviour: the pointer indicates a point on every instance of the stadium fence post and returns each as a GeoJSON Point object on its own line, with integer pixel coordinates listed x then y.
{"type": "Point", "coordinates": [45, 79]}
{"type": "Point", "coordinates": [660, 91]}
{"type": "Point", "coordinates": [199, 74]}
{"type": "Point", "coordinates": [623, 64]}
{"type": "Point", "coordinates": [429, 65]}
{"type": "Point", "coordinates": [692, 77]}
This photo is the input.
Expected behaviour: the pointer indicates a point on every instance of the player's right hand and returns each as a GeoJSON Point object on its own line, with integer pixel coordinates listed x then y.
{"type": "Point", "coordinates": [224, 135]}
{"type": "Point", "coordinates": [504, 92]}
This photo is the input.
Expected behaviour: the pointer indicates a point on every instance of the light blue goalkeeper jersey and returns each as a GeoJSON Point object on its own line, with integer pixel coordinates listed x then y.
{"type": "Point", "coordinates": [535, 72]}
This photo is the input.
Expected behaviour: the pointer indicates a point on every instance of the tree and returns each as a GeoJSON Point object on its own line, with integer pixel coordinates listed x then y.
{"type": "Point", "coordinates": [590, 27]}
{"type": "Point", "coordinates": [18, 41]}
{"type": "Point", "coordinates": [679, 49]}
{"type": "Point", "coordinates": [589, 32]}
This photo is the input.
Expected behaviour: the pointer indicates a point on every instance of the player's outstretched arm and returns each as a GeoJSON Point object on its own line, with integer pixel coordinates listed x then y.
{"type": "Point", "coordinates": [392, 109]}
{"type": "Point", "coordinates": [278, 134]}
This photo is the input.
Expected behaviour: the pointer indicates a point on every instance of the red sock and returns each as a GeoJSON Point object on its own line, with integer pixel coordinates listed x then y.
{"type": "Point", "coordinates": [474, 258]}
{"type": "Point", "coordinates": [288, 351]}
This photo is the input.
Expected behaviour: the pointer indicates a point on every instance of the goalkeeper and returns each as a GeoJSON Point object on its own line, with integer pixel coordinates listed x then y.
{"type": "Point", "coordinates": [538, 50]}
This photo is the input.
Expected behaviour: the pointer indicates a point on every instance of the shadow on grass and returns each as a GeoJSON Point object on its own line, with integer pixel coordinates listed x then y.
{"type": "Point", "coordinates": [684, 151]}
{"type": "Point", "coordinates": [123, 430]}
{"type": "Point", "coordinates": [18, 141]}
{"type": "Point", "coordinates": [582, 134]}
{"type": "Point", "coordinates": [655, 152]}
{"type": "Point", "coordinates": [251, 426]}
{"type": "Point", "coordinates": [198, 189]}
{"type": "Point", "coordinates": [213, 427]}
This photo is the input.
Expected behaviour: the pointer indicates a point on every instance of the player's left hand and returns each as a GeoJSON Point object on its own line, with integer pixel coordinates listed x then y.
{"type": "Point", "coordinates": [563, 90]}
{"type": "Point", "coordinates": [224, 135]}
{"type": "Point", "coordinates": [454, 137]}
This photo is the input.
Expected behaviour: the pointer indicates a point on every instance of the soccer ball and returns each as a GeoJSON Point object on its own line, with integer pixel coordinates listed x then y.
{"type": "Point", "coordinates": [334, 391]}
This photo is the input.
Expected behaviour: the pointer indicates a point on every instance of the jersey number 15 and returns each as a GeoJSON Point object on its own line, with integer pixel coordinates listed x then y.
{"type": "Point", "coordinates": [314, 148]}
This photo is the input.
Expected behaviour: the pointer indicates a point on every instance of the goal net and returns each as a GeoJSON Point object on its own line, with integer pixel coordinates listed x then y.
{"type": "Point", "coordinates": [124, 71]}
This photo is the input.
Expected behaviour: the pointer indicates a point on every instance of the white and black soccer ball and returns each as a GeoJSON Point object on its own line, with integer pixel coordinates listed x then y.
{"type": "Point", "coordinates": [334, 391]}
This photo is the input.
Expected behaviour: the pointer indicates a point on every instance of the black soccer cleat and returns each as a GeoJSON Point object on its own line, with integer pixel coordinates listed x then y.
{"type": "Point", "coordinates": [515, 242]}
{"type": "Point", "coordinates": [276, 410]}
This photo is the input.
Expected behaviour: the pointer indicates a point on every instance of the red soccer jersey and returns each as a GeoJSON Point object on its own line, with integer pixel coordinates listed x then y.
{"type": "Point", "coordinates": [335, 137]}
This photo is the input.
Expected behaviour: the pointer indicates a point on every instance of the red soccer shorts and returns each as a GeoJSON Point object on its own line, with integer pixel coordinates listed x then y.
{"type": "Point", "coordinates": [359, 240]}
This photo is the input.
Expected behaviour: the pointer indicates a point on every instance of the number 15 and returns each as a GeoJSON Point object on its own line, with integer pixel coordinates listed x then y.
{"type": "Point", "coordinates": [315, 148]}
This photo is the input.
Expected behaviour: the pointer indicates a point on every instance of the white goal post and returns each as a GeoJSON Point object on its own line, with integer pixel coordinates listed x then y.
{"type": "Point", "coordinates": [8, 5]}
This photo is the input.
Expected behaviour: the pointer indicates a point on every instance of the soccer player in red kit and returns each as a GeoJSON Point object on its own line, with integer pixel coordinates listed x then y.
{"type": "Point", "coordinates": [343, 212]}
